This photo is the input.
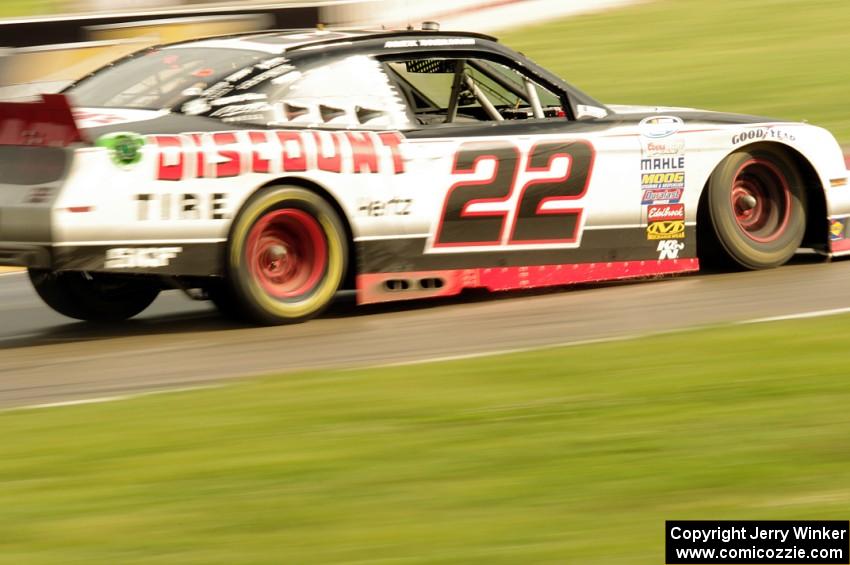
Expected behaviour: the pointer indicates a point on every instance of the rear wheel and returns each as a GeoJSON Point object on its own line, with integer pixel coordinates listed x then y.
{"type": "Point", "coordinates": [286, 258]}
{"type": "Point", "coordinates": [757, 208]}
{"type": "Point", "coordinates": [93, 297]}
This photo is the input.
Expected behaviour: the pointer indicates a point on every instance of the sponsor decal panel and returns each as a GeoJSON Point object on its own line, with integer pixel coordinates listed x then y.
{"type": "Point", "coordinates": [667, 229]}
{"type": "Point", "coordinates": [661, 196]}
{"type": "Point", "coordinates": [657, 127]}
{"type": "Point", "coordinates": [665, 222]}
{"type": "Point", "coordinates": [665, 180]}
{"type": "Point", "coordinates": [183, 206]}
{"type": "Point", "coordinates": [837, 229]}
{"type": "Point", "coordinates": [235, 153]}
{"type": "Point", "coordinates": [669, 249]}
{"type": "Point", "coordinates": [660, 147]}
{"type": "Point", "coordinates": [662, 170]}
{"type": "Point", "coordinates": [393, 207]}
{"type": "Point", "coordinates": [665, 212]}
{"type": "Point", "coordinates": [140, 257]}
{"type": "Point", "coordinates": [761, 134]}
{"type": "Point", "coordinates": [663, 163]}
{"type": "Point", "coordinates": [125, 148]}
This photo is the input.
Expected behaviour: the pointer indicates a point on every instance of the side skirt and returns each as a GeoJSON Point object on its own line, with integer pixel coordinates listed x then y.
{"type": "Point", "coordinates": [387, 287]}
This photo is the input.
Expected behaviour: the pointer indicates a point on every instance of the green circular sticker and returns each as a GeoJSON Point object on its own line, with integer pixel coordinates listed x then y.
{"type": "Point", "coordinates": [125, 149]}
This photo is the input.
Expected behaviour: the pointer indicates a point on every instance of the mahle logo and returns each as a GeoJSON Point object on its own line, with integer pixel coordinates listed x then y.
{"type": "Point", "coordinates": [125, 148]}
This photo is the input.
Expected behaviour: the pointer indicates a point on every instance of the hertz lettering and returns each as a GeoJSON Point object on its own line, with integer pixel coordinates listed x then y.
{"type": "Point", "coordinates": [674, 229]}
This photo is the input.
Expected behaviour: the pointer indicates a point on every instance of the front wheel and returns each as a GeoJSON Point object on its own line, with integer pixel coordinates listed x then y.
{"type": "Point", "coordinates": [757, 207]}
{"type": "Point", "coordinates": [286, 258]}
{"type": "Point", "coordinates": [93, 297]}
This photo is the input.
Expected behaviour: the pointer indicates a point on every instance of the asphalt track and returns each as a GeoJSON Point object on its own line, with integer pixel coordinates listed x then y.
{"type": "Point", "coordinates": [45, 358]}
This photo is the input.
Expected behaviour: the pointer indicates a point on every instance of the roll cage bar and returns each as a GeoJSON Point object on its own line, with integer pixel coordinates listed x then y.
{"type": "Point", "coordinates": [464, 82]}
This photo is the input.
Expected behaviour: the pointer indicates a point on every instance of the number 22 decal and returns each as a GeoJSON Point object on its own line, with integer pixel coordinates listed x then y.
{"type": "Point", "coordinates": [542, 214]}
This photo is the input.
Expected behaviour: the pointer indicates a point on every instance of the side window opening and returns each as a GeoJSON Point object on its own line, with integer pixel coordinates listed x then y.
{"type": "Point", "coordinates": [470, 90]}
{"type": "Point", "coordinates": [351, 92]}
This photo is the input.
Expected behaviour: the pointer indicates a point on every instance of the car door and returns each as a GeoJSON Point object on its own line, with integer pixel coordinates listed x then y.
{"type": "Point", "coordinates": [503, 175]}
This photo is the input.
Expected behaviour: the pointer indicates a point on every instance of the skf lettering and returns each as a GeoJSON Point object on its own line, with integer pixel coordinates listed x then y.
{"type": "Point", "coordinates": [662, 163]}
{"type": "Point", "coordinates": [665, 230]}
{"type": "Point", "coordinates": [186, 206]}
{"type": "Point", "coordinates": [231, 154]}
{"type": "Point", "coordinates": [140, 257]}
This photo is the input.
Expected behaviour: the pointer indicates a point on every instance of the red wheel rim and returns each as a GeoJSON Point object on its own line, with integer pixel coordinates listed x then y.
{"type": "Point", "coordinates": [287, 252]}
{"type": "Point", "coordinates": [761, 200]}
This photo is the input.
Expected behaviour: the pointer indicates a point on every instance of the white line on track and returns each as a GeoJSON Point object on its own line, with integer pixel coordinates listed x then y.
{"type": "Point", "coordinates": [530, 349]}
{"type": "Point", "coordinates": [799, 316]}
{"type": "Point", "coordinates": [425, 360]}
{"type": "Point", "coordinates": [101, 399]}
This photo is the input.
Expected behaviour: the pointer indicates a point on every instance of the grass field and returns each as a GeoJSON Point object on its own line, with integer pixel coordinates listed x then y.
{"type": "Point", "coordinates": [572, 455]}
{"type": "Point", "coordinates": [788, 59]}
{"type": "Point", "coordinates": [18, 8]}
{"type": "Point", "coordinates": [565, 455]}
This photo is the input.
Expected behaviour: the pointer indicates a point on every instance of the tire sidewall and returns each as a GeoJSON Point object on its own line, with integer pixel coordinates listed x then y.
{"type": "Point", "coordinates": [745, 251]}
{"type": "Point", "coordinates": [259, 305]}
{"type": "Point", "coordinates": [92, 298]}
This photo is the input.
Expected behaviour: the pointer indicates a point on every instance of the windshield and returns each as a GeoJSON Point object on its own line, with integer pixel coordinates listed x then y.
{"type": "Point", "coordinates": [160, 78]}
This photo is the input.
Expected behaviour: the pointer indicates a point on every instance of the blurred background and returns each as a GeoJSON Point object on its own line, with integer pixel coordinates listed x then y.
{"type": "Point", "coordinates": [786, 59]}
{"type": "Point", "coordinates": [573, 455]}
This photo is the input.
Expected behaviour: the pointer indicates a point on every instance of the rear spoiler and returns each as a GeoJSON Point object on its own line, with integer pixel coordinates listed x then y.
{"type": "Point", "coordinates": [49, 122]}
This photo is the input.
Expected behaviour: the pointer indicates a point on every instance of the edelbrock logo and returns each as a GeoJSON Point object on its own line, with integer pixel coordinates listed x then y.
{"type": "Point", "coordinates": [663, 212]}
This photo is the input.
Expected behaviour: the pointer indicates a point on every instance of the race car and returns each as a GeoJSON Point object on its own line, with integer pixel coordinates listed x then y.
{"type": "Point", "coordinates": [268, 171]}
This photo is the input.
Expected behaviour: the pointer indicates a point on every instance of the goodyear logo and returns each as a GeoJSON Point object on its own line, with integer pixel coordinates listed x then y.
{"type": "Point", "coordinates": [673, 229]}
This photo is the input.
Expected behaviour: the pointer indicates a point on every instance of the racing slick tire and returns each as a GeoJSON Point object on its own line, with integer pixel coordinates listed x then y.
{"type": "Point", "coordinates": [286, 258]}
{"type": "Point", "coordinates": [93, 297]}
{"type": "Point", "coordinates": [756, 204]}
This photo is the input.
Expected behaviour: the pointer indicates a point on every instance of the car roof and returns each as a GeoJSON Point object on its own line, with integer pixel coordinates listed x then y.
{"type": "Point", "coordinates": [280, 41]}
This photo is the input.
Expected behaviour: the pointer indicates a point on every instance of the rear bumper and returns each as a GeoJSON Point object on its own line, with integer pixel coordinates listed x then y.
{"type": "Point", "coordinates": [179, 259]}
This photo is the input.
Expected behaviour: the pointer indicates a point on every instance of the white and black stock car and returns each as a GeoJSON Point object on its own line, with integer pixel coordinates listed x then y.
{"type": "Point", "coordinates": [271, 170]}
